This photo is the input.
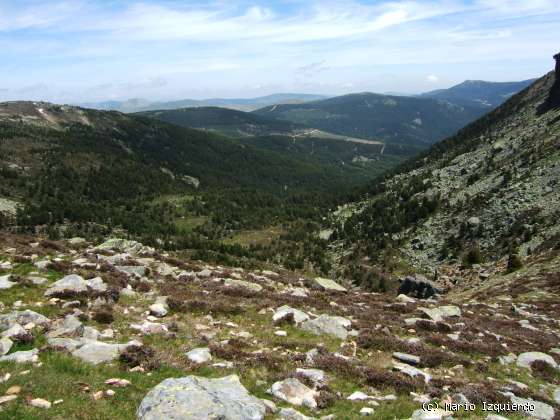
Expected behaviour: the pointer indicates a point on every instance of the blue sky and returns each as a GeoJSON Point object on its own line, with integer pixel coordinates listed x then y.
{"type": "Point", "coordinates": [80, 50]}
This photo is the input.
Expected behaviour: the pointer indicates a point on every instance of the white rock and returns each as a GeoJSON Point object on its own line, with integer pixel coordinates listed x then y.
{"type": "Point", "coordinates": [283, 311]}
{"type": "Point", "coordinates": [199, 355]}
{"type": "Point", "coordinates": [14, 331]}
{"type": "Point", "coordinates": [317, 376]}
{"type": "Point", "coordinates": [40, 403]}
{"type": "Point", "coordinates": [70, 284]}
{"type": "Point", "coordinates": [525, 359]}
{"type": "Point", "coordinates": [358, 396]}
{"type": "Point", "coordinates": [367, 411]}
{"type": "Point", "coordinates": [294, 392]}
{"type": "Point", "coordinates": [29, 356]}
{"type": "Point", "coordinates": [158, 309]}
{"type": "Point", "coordinates": [5, 282]}
{"type": "Point", "coordinates": [5, 345]}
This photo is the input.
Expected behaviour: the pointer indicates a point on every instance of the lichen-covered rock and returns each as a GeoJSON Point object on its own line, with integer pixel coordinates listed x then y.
{"type": "Point", "coordinates": [336, 326]}
{"type": "Point", "coordinates": [199, 355]}
{"type": "Point", "coordinates": [29, 356]}
{"type": "Point", "coordinates": [294, 392]}
{"type": "Point", "coordinates": [69, 285]}
{"type": "Point", "coordinates": [525, 359]}
{"type": "Point", "coordinates": [284, 311]}
{"type": "Point", "coordinates": [194, 398]}
{"type": "Point", "coordinates": [22, 318]}
{"type": "Point", "coordinates": [328, 284]}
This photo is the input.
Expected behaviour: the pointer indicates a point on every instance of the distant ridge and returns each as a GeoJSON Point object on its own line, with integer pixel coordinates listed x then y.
{"type": "Point", "coordinates": [241, 104]}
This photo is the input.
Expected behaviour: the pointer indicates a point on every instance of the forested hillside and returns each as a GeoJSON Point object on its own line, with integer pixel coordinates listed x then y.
{"type": "Point", "coordinates": [407, 121]}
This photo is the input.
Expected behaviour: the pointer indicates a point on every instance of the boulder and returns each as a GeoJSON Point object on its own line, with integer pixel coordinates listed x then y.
{"type": "Point", "coordinates": [412, 371]}
{"type": "Point", "coordinates": [406, 358]}
{"type": "Point", "coordinates": [418, 286]}
{"type": "Point", "coordinates": [133, 270]}
{"type": "Point", "coordinates": [437, 414]}
{"type": "Point", "coordinates": [325, 324]}
{"type": "Point", "coordinates": [69, 285]}
{"type": "Point", "coordinates": [283, 311]}
{"type": "Point", "coordinates": [441, 312]}
{"type": "Point", "coordinates": [96, 352]}
{"type": "Point", "coordinates": [525, 359]}
{"type": "Point", "coordinates": [97, 284]}
{"type": "Point", "coordinates": [316, 376]}
{"type": "Point", "coordinates": [242, 283]}
{"type": "Point", "coordinates": [291, 414]}
{"type": "Point", "coordinates": [199, 355]}
{"type": "Point", "coordinates": [194, 398]}
{"type": "Point", "coordinates": [405, 299]}
{"type": "Point", "coordinates": [204, 273]}
{"type": "Point", "coordinates": [70, 326]}
{"type": "Point", "coordinates": [158, 309]}
{"type": "Point", "coordinates": [29, 356]}
{"type": "Point", "coordinates": [22, 318]}
{"type": "Point", "coordinates": [540, 411]}
{"type": "Point", "coordinates": [5, 345]}
{"type": "Point", "coordinates": [150, 328]}
{"type": "Point", "coordinates": [294, 392]}
{"type": "Point", "coordinates": [5, 282]}
{"type": "Point", "coordinates": [556, 396]}
{"type": "Point", "coordinates": [328, 284]}
{"type": "Point", "coordinates": [125, 245]}
{"type": "Point", "coordinates": [14, 331]}
{"type": "Point", "coordinates": [64, 344]}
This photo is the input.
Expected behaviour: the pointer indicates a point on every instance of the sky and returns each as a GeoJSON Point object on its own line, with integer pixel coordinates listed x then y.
{"type": "Point", "coordinates": [75, 51]}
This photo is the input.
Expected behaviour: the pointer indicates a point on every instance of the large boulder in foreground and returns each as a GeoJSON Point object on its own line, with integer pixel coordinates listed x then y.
{"type": "Point", "coordinates": [418, 286]}
{"type": "Point", "coordinates": [193, 398]}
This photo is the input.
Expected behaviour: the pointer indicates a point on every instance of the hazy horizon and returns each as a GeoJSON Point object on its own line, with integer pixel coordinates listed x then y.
{"type": "Point", "coordinates": [83, 51]}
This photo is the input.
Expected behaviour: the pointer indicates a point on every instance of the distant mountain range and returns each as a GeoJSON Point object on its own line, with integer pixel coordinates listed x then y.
{"type": "Point", "coordinates": [243, 104]}
{"type": "Point", "coordinates": [478, 93]}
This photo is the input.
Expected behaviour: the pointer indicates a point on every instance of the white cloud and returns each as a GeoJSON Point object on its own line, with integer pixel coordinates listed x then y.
{"type": "Point", "coordinates": [229, 46]}
{"type": "Point", "coordinates": [432, 78]}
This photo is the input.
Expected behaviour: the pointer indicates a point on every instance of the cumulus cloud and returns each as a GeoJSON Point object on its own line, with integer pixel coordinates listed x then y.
{"type": "Point", "coordinates": [167, 47]}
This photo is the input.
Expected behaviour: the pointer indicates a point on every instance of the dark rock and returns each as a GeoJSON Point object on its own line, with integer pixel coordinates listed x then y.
{"type": "Point", "coordinates": [418, 286]}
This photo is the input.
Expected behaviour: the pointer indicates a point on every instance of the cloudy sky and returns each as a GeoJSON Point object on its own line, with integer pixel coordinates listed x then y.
{"type": "Point", "coordinates": [80, 50]}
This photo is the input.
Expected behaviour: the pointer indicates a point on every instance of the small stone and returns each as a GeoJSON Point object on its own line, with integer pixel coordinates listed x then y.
{"type": "Point", "coordinates": [358, 396]}
{"type": "Point", "coordinates": [5, 345]}
{"type": "Point", "coordinates": [117, 382]}
{"type": "Point", "coordinates": [13, 390]}
{"type": "Point", "coordinates": [367, 411]}
{"type": "Point", "coordinates": [109, 393]}
{"type": "Point", "coordinates": [40, 403]}
{"type": "Point", "coordinates": [407, 358]}
{"type": "Point", "coordinates": [280, 333]}
{"type": "Point", "coordinates": [7, 398]}
{"type": "Point", "coordinates": [97, 395]}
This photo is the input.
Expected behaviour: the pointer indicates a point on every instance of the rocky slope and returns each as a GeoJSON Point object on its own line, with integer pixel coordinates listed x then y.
{"type": "Point", "coordinates": [119, 330]}
{"type": "Point", "coordinates": [493, 187]}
